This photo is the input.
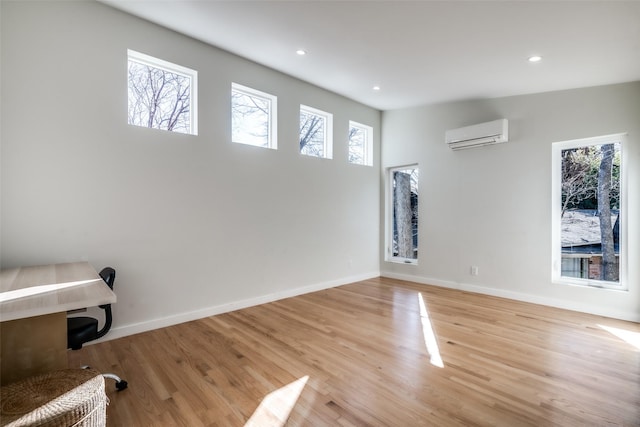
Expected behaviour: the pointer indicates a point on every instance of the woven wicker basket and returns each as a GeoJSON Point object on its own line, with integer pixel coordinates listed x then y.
{"type": "Point", "coordinates": [70, 397]}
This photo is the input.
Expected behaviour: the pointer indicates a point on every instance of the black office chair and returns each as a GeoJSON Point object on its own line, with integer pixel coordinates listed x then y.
{"type": "Point", "coordinates": [84, 329]}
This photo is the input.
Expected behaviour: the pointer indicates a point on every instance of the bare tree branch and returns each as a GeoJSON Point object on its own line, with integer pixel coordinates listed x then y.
{"type": "Point", "coordinates": [158, 98]}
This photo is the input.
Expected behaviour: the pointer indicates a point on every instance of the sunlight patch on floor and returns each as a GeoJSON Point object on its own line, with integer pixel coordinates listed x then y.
{"type": "Point", "coordinates": [630, 337]}
{"type": "Point", "coordinates": [276, 406]}
{"type": "Point", "coordinates": [429, 336]}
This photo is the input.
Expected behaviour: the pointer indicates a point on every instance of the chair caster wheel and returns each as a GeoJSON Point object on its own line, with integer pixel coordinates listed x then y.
{"type": "Point", "coordinates": [121, 385]}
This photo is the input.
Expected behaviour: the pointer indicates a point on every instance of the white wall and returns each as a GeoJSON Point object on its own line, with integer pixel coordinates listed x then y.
{"type": "Point", "coordinates": [194, 225]}
{"type": "Point", "coordinates": [197, 225]}
{"type": "Point", "coordinates": [491, 206]}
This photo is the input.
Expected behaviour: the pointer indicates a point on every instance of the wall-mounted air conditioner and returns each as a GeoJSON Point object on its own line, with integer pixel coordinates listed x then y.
{"type": "Point", "coordinates": [478, 135]}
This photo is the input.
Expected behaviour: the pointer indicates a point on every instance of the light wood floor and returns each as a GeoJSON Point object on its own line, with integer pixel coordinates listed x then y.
{"type": "Point", "coordinates": [356, 355]}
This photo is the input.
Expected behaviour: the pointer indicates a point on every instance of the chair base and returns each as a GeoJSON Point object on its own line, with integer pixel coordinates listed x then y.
{"type": "Point", "coordinates": [120, 383]}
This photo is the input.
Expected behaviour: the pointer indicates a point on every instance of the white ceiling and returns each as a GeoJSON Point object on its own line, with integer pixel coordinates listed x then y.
{"type": "Point", "coordinates": [419, 52]}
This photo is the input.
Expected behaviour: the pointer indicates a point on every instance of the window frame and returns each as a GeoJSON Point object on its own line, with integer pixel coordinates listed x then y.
{"type": "Point", "coordinates": [192, 75]}
{"type": "Point", "coordinates": [389, 214]}
{"type": "Point", "coordinates": [367, 149]}
{"type": "Point", "coordinates": [272, 120]}
{"type": "Point", "coordinates": [556, 210]}
{"type": "Point", "coordinates": [328, 131]}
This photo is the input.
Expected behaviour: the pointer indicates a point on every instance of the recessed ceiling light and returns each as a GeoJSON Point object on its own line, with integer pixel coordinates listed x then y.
{"type": "Point", "coordinates": [535, 58]}
{"type": "Point", "coordinates": [301, 52]}
{"type": "Point", "coordinates": [376, 88]}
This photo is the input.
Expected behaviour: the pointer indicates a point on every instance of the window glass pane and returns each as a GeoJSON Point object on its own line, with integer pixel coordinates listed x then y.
{"type": "Point", "coordinates": [404, 218]}
{"type": "Point", "coordinates": [360, 144]}
{"type": "Point", "coordinates": [356, 145]}
{"type": "Point", "coordinates": [252, 117]}
{"type": "Point", "coordinates": [590, 212]}
{"type": "Point", "coordinates": [315, 132]}
{"type": "Point", "coordinates": [160, 94]}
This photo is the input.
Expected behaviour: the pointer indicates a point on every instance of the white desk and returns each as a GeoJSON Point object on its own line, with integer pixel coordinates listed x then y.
{"type": "Point", "coordinates": [33, 306]}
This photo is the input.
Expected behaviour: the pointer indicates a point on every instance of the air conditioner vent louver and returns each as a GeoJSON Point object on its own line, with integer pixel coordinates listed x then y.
{"type": "Point", "coordinates": [488, 133]}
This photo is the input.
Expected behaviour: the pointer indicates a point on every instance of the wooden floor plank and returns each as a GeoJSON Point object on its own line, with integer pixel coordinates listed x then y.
{"type": "Point", "coordinates": [359, 352]}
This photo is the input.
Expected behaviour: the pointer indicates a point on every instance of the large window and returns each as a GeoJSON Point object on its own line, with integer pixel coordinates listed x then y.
{"type": "Point", "coordinates": [316, 132]}
{"type": "Point", "coordinates": [360, 144]}
{"type": "Point", "coordinates": [253, 117]}
{"type": "Point", "coordinates": [161, 95]}
{"type": "Point", "coordinates": [402, 227]}
{"type": "Point", "coordinates": [589, 214]}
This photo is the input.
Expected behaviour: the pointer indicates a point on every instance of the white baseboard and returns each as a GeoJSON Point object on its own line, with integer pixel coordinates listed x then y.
{"type": "Point", "coordinates": [535, 299]}
{"type": "Point", "coordinates": [135, 328]}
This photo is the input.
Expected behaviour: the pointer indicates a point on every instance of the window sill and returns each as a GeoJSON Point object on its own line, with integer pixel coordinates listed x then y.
{"type": "Point", "coordinates": [590, 284]}
{"type": "Point", "coordinates": [403, 261]}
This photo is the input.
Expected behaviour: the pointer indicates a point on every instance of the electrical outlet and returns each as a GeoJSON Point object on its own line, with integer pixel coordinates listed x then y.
{"type": "Point", "coordinates": [474, 270]}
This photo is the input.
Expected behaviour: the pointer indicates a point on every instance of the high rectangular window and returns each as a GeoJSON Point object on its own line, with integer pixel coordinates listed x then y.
{"type": "Point", "coordinates": [360, 144]}
{"type": "Point", "coordinates": [161, 95]}
{"type": "Point", "coordinates": [253, 117]}
{"type": "Point", "coordinates": [589, 212]}
{"type": "Point", "coordinates": [402, 214]}
{"type": "Point", "coordinates": [316, 132]}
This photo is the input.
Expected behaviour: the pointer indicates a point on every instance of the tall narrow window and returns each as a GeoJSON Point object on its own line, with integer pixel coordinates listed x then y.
{"type": "Point", "coordinates": [402, 233]}
{"type": "Point", "coordinates": [316, 132]}
{"type": "Point", "coordinates": [360, 144]}
{"type": "Point", "coordinates": [589, 212]}
{"type": "Point", "coordinates": [161, 95]}
{"type": "Point", "coordinates": [253, 117]}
